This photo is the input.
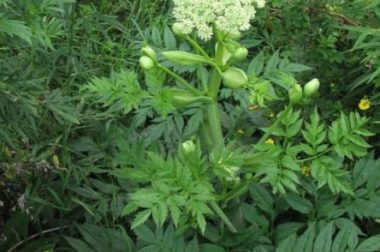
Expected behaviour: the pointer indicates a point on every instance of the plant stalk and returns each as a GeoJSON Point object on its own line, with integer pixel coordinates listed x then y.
{"type": "Point", "coordinates": [223, 216]}
{"type": "Point", "coordinates": [183, 82]}
{"type": "Point", "coordinates": [213, 114]}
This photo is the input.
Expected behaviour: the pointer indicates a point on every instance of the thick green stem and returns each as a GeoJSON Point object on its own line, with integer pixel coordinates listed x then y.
{"type": "Point", "coordinates": [216, 78]}
{"type": "Point", "coordinates": [205, 135]}
{"type": "Point", "coordinates": [223, 216]}
{"type": "Point", "coordinates": [215, 129]}
{"type": "Point", "coordinates": [213, 114]}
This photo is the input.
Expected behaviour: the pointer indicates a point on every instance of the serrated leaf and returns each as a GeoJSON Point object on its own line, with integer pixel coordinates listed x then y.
{"type": "Point", "coordinates": [371, 244]}
{"type": "Point", "coordinates": [169, 39]}
{"type": "Point", "coordinates": [296, 67]}
{"type": "Point", "coordinates": [298, 203]}
{"type": "Point", "coordinates": [288, 244]}
{"type": "Point", "coordinates": [201, 221]}
{"type": "Point", "coordinates": [306, 241]}
{"type": "Point", "coordinates": [262, 198]}
{"type": "Point", "coordinates": [140, 218]}
{"type": "Point", "coordinates": [193, 245]}
{"type": "Point", "coordinates": [144, 233]}
{"type": "Point", "coordinates": [272, 63]}
{"type": "Point", "coordinates": [78, 245]}
{"type": "Point", "coordinates": [193, 123]}
{"type": "Point", "coordinates": [256, 66]}
{"type": "Point", "coordinates": [294, 129]}
{"type": "Point", "coordinates": [323, 241]}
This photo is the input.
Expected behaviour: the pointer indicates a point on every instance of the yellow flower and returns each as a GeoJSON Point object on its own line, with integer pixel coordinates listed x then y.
{"type": "Point", "coordinates": [364, 104]}
{"type": "Point", "coordinates": [305, 170]}
{"type": "Point", "coordinates": [241, 131]}
{"type": "Point", "coordinates": [269, 141]}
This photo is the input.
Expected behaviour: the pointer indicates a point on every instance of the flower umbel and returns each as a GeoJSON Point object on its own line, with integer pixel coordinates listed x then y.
{"type": "Point", "coordinates": [364, 104]}
{"type": "Point", "coordinates": [229, 16]}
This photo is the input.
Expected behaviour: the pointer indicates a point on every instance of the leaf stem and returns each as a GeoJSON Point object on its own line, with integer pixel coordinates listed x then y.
{"type": "Point", "coordinates": [274, 125]}
{"type": "Point", "coordinates": [181, 80]}
{"type": "Point", "coordinates": [223, 216]}
{"type": "Point", "coordinates": [315, 156]}
{"type": "Point", "coordinates": [197, 47]}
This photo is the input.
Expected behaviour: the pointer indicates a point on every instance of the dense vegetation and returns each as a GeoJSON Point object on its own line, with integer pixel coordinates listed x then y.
{"type": "Point", "coordinates": [117, 135]}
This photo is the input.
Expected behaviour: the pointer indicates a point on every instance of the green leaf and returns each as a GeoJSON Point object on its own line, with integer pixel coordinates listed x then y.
{"type": "Point", "coordinates": [120, 93]}
{"type": "Point", "coordinates": [306, 241]}
{"type": "Point", "coordinates": [296, 67]}
{"type": "Point", "coordinates": [298, 203]}
{"type": "Point", "coordinates": [169, 39]}
{"type": "Point", "coordinates": [193, 123]}
{"type": "Point", "coordinates": [140, 218]}
{"type": "Point", "coordinates": [83, 204]}
{"type": "Point", "coordinates": [341, 240]}
{"type": "Point", "coordinates": [208, 247]}
{"type": "Point", "coordinates": [193, 245]}
{"type": "Point", "coordinates": [262, 198]}
{"type": "Point", "coordinates": [287, 244]}
{"type": "Point", "coordinates": [144, 233]}
{"type": "Point", "coordinates": [256, 66]}
{"type": "Point", "coordinates": [272, 63]}
{"type": "Point", "coordinates": [78, 245]}
{"type": "Point", "coordinates": [323, 241]}
{"type": "Point", "coordinates": [370, 244]}
{"type": "Point", "coordinates": [201, 221]}
{"type": "Point", "coordinates": [15, 28]}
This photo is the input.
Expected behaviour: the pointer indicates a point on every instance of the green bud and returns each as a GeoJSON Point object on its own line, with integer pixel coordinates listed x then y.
{"type": "Point", "coordinates": [188, 146]}
{"type": "Point", "coordinates": [146, 63]}
{"type": "Point", "coordinates": [234, 35]}
{"type": "Point", "coordinates": [311, 87]}
{"type": "Point", "coordinates": [181, 97]}
{"type": "Point", "coordinates": [234, 78]}
{"type": "Point", "coordinates": [295, 93]}
{"type": "Point", "coordinates": [184, 58]}
{"type": "Point", "coordinates": [148, 51]}
{"type": "Point", "coordinates": [231, 46]}
{"type": "Point", "coordinates": [178, 29]}
{"type": "Point", "coordinates": [240, 54]}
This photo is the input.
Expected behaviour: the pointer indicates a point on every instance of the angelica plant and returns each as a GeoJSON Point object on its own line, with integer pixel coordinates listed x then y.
{"type": "Point", "coordinates": [208, 171]}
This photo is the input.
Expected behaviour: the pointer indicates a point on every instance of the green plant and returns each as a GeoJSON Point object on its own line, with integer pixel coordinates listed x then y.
{"type": "Point", "coordinates": [188, 186]}
{"type": "Point", "coordinates": [202, 137]}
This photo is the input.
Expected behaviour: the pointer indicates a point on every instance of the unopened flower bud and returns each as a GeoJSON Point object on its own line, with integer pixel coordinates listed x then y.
{"type": "Point", "coordinates": [188, 146]}
{"type": "Point", "coordinates": [240, 54]}
{"type": "Point", "coordinates": [311, 87]}
{"type": "Point", "coordinates": [146, 63]}
{"type": "Point", "coordinates": [148, 51]}
{"type": "Point", "coordinates": [234, 78]}
{"type": "Point", "coordinates": [178, 29]}
{"type": "Point", "coordinates": [234, 35]}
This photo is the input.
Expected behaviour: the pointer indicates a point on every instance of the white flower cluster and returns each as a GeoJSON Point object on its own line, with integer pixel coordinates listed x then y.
{"type": "Point", "coordinates": [230, 16]}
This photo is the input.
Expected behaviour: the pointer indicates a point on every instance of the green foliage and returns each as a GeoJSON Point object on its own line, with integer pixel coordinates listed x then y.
{"type": "Point", "coordinates": [121, 93]}
{"type": "Point", "coordinates": [180, 189]}
{"type": "Point", "coordinates": [98, 154]}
